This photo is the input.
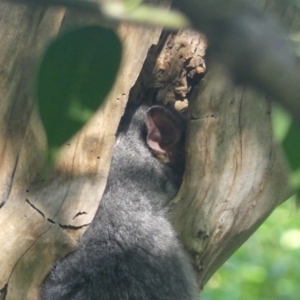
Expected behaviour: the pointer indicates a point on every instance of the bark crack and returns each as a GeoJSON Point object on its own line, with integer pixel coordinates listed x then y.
{"type": "Point", "coordinates": [72, 227]}
{"type": "Point", "coordinates": [35, 208]}
{"type": "Point", "coordinates": [80, 214]}
{"type": "Point", "coordinates": [63, 226]}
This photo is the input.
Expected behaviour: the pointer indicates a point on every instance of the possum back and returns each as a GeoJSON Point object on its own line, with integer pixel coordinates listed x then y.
{"type": "Point", "coordinates": [130, 251]}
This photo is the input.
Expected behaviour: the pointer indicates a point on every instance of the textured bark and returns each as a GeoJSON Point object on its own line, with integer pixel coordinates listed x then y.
{"type": "Point", "coordinates": [252, 45]}
{"type": "Point", "coordinates": [235, 174]}
{"type": "Point", "coordinates": [42, 220]}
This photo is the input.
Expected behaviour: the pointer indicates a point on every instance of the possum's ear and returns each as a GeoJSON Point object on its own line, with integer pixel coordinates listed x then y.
{"type": "Point", "coordinates": [164, 133]}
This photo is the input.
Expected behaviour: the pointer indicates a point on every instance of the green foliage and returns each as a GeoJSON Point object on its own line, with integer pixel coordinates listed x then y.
{"type": "Point", "coordinates": [144, 14]}
{"type": "Point", "coordinates": [287, 132]}
{"type": "Point", "coordinates": [75, 75]}
{"type": "Point", "coordinates": [127, 10]}
{"type": "Point", "coordinates": [291, 146]}
{"type": "Point", "coordinates": [267, 266]}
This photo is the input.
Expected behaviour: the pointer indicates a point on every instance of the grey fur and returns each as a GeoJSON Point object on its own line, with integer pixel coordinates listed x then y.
{"type": "Point", "coordinates": [130, 251]}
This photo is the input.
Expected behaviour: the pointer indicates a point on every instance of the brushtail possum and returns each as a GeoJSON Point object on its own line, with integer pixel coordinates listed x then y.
{"type": "Point", "coordinates": [130, 251]}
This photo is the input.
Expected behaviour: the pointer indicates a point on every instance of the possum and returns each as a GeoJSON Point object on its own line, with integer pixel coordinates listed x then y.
{"type": "Point", "coordinates": [130, 251]}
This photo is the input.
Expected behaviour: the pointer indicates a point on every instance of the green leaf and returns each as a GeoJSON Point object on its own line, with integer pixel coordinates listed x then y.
{"type": "Point", "coordinates": [144, 14]}
{"type": "Point", "coordinates": [131, 4]}
{"type": "Point", "coordinates": [287, 132]}
{"type": "Point", "coordinates": [126, 10]}
{"type": "Point", "coordinates": [291, 145]}
{"type": "Point", "coordinates": [281, 121]}
{"type": "Point", "coordinates": [75, 75]}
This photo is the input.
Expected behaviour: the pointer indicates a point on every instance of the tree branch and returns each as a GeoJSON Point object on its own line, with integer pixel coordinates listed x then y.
{"type": "Point", "coordinates": [251, 45]}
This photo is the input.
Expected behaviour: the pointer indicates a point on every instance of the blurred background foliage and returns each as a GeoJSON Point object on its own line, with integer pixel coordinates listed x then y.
{"type": "Point", "coordinates": [267, 266]}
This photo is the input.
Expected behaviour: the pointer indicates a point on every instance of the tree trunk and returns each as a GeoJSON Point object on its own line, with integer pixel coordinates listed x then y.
{"type": "Point", "coordinates": [235, 174]}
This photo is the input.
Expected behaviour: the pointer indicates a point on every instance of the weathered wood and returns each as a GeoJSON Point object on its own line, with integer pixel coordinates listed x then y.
{"type": "Point", "coordinates": [42, 220]}
{"type": "Point", "coordinates": [24, 30]}
{"type": "Point", "coordinates": [235, 174]}
{"type": "Point", "coordinates": [236, 30]}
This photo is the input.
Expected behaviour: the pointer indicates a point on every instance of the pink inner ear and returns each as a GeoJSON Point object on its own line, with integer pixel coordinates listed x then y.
{"type": "Point", "coordinates": [154, 137]}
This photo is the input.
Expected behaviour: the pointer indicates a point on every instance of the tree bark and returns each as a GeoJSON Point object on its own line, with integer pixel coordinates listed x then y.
{"type": "Point", "coordinates": [237, 29]}
{"type": "Point", "coordinates": [235, 174]}
{"type": "Point", "coordinates": [43, 219]}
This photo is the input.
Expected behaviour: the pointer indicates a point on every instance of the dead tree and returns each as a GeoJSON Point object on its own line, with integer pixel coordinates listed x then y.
{"type": "Point", "coordinates": [235, 173]}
